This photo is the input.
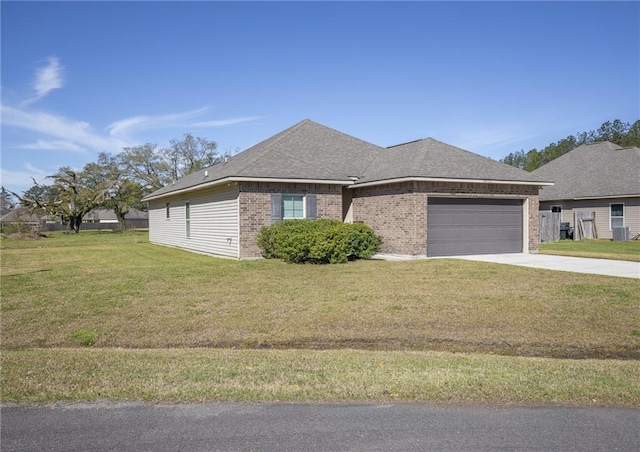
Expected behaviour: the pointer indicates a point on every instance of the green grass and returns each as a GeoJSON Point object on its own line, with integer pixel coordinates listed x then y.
{"type": "Point", "coordinates": [87, 310]}
{"type": "Point", "coordinates": [199, 375]}
{"type": "Point", "coordinates": [602, 249]}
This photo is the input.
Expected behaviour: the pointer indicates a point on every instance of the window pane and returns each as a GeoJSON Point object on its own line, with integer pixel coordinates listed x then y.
{"type": "Point", "coordinates": [293, 206]}
{"type": "Point", "coordinates": [187, 211]}
{"type": "Point", "coordinates": [617, 210]}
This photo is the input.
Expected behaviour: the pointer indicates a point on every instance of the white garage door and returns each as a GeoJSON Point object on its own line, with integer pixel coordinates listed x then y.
{"type": "Point", "coordinates": [462, 226]}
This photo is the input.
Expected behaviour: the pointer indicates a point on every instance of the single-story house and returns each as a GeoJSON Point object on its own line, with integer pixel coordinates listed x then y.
{"type": "Point", "coordinates": [134, 218]}
{"type": "Point", "coordinates": [23, 216]}
{"type": "Point", "coordinates": [424, 197]}
{"type": "Point", "coordinates": [603, 178]}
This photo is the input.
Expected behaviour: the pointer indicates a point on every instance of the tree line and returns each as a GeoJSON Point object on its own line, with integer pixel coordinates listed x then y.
{"type": "Point", "coordinates": [117, 182]}
{"type": "Point", "coordinates": [618, 132]}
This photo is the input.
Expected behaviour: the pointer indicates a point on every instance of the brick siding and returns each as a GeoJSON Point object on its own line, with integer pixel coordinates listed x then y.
{"type": "Point", "coordinates": [254, 200]}
{"type": "Point", "coordinates": [398, 212]}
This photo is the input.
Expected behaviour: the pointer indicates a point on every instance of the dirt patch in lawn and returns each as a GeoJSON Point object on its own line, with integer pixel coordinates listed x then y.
{"type": "Point", "coordinates": [440, 345]}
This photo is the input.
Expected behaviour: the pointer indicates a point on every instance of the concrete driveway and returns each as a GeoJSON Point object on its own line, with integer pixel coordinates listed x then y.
{"type": "Point", "coordinates": [623, 269]}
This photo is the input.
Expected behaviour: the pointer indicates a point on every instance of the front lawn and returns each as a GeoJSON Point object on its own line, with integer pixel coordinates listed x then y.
{"type": "Point", "coordinates": [602, 249]}
{"type": "Point", "coordinates": [72, 303]}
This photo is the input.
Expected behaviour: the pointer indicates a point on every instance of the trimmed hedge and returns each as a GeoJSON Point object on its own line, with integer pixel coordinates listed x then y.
{"type": "Point", "coordinates": [318, 241]}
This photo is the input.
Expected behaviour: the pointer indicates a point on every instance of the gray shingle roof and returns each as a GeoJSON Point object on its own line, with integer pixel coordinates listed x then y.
{"type": "Point", "coordinates": [592, 171]}
{"type": "Point", "coordinates": [307, 150]}
{"type": "Point", "coordinates": [429, 158]}
{"type": "Point", "coordinates": [110, 215]}
{"type": "Point", "coordinates": [311, 151]}
{"type": "Point", "coordinates": [22, 214]}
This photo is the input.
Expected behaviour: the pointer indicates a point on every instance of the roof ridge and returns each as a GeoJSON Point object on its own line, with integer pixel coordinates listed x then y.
{"type": "Point", "coordinates": [273, 140]}
{"type": "Point", "coordinates": [583, 146]}
{"type": "Point", "coordinates": [402, 144]}
{"type": "Point", "coordinates": [351, 137]}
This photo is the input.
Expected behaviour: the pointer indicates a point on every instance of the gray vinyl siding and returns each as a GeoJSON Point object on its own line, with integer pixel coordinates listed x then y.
{"type": "Point", "coordinates": [213, 223]}
{"type": "Point", "coordinates": [602, 210]}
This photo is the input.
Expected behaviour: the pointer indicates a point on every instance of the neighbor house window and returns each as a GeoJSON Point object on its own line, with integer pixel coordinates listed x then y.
{"type": "Point", "coordinates": [617, 215]}
{"type": "Point", "coordinates": [166, 207]}
{"type": "Point", "coordinates": [557, 209]}
{"type": "Point", "coordinates": [187, 217]}
{"type": "Point", "coordinates": [292, 207]}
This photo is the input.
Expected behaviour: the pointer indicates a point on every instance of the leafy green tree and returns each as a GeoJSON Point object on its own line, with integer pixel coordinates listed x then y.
{"type": "Point", "coordinates": [7, 201]}
{"type": "Point", "coordinates": [124, 193]}
{"type": "Point", "coordinates": [189, 155]}
{"type": "Point", "coordinates": [154, 168]}
{"type": "Point", "coordinates": [72, 195]}
{"type": "Point", "coordinates": [632, 138]}
{"type": "Point", "coordinates": [146, 165]}
{"type": "Point", "coordinates": [517, 159]}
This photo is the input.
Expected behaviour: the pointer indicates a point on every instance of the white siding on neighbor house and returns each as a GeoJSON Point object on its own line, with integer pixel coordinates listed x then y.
{"type": "Point", "coordinates": [213, 221]}
{"type": "Point", "coordinates": [602, 209]}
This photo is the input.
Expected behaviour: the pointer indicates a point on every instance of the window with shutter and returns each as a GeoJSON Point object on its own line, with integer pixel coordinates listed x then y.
{"type": "Point", "coordinates": [286, 206]}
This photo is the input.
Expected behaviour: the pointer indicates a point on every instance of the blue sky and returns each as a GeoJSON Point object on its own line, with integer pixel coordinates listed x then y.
{"type": "Point", "coordinates": [79, 78]}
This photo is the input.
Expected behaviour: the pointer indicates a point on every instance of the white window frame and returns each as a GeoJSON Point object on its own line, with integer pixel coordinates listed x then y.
{"type": "Point", "coordinates": [611, 217]}
{"type": "Point", "coordinates": [304, 206]}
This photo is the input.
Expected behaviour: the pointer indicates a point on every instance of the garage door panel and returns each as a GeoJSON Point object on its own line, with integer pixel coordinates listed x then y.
{"type": "Point", "coordinates": [459, 226]}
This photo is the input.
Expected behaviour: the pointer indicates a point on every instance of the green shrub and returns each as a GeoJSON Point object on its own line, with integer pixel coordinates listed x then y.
{"type": "Point", "coordinates": [318, 241]}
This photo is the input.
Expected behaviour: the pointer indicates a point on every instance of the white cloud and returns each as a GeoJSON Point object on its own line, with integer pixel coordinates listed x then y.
{"type": "Point", "coordinates": [226, 122]}
{"type": "Point", "coordinates": [47, 79]}
{"type": "Point", "coordinates": [77, 133]}
{"type": "Point", "coordinates": [54, 145]}
{"type": "Point", "coordinates": [22, 180]}
{"type": "Point", "coordinates": [35, 170]}
{"type": "Point", "coordinates": [125, 127]}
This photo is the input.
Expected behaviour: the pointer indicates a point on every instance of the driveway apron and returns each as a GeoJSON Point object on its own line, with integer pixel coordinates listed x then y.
{"type": "Point", "coordinates": [607, 267]}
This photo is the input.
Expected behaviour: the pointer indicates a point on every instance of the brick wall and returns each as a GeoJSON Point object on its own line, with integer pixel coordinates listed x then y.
{"type": "Point", "coordinates": [254, 200]}
{"type": "Point", "coordinates": [398, 212]}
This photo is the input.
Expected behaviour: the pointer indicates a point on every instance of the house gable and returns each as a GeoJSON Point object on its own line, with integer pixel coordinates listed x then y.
{"type": "Point", "coordinates": [599, 170]}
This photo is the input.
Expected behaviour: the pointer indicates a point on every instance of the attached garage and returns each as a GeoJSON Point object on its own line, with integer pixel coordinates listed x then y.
{"type": "Point", "coordinates": [463, 226]}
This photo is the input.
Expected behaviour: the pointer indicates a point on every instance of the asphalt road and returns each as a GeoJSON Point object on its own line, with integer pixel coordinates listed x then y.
{"type": "Point", "coordinates": [279, 427]}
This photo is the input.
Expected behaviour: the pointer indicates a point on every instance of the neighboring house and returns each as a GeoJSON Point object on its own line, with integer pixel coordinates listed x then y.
{"type": "Point", "coordinates": [603, 178]}
{"type": "Point", "coordinates": [23, 216]}
{"type": "Point", "coordinates": [134, 218]}
{"type": "Point", "coordinates": [423, 197]}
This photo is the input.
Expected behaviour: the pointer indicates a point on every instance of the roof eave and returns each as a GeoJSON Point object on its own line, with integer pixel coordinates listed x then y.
{"type": "Point", "coordinates": [447, 179]}
{"type": "Point", "coordinates": [589, 198]}
{"type": "Point", "coordinates": [232, 179]}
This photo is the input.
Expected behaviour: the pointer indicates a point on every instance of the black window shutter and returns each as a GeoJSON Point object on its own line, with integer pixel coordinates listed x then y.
{"type": "Point", "coordinates": [312, 206]}
{"type": "Point", "coordinates": [276, 207]}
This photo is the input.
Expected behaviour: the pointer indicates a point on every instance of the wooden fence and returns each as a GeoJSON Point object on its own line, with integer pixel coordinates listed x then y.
{"type": "Point", "coordinates": [585, 225]}
{"type": "Point", "coordinates": [130, 224]}
{"type": "Point", "coordinates": [549, 227]}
